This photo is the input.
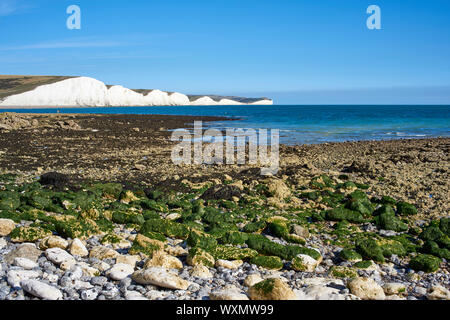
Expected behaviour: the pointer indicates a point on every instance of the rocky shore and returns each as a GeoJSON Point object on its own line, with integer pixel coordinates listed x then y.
{"type": "Point", "coordinates": [95, 209]}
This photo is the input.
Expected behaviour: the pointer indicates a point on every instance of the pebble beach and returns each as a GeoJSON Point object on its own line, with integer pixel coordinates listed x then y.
{"type": "Point", "coordinates": [92, 208]}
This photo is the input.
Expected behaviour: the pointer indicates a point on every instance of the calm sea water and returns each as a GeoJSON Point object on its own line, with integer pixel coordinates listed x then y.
{"type": "Point", "coordinates": [310, 124]}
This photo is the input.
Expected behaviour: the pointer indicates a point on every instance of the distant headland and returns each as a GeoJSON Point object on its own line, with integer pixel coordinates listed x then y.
{"type": "Point", "coordinates": [68, 91]}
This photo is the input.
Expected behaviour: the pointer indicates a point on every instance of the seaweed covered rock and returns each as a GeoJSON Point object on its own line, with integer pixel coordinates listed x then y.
{"type": "Point", "coordinates": [370, 250]}
{"type": "Point", "coordinates": [265, 246]}
{"type": "Point", "coordinates": [444, 226]}
{"type": "Point", "coordinates": [9, 200]}
{"type": "Point", "coordinates": [304, 262]}
{"type": "Point", "coordinates": [110, 190]}
{"type": "Point", "coordinates": [145, 245]}
{"type": "Point", "coordinates": [166, 227]}
{"type": "Point", "coordinates": [268, 262]}
{"type": "Point", "coordinates": [432, 233]}
{"type": "Point", "coordinates": [341, 213]}
{"type": "Point", "coordinates": [234, 238]}
{"type": "Point", "coordinates": [406, 209]}
{"type": "Point", "coordinates": [198, 256]}
{"type": "Point", "coordinates": [425, 263]}
{"type": "Point", "coordinates": [201, 239]}
{"type": "Point", "coordinates": [390, 247]}
{"type": "Point", "coordinates": [28, 234]}
{"type": "Point", "coordinates": [233, 253]}
{"type": "Point", "coordinates": [359, 202]}
{"type": "Point", "coordinates": [271, 289]}
{"type": "Point", "coordinates": [387, 220]}
{"type": "Point", "coordinates": [81, 229]}
{"type": "Point", "coordinates": [433, 248]}
{"type": "Point", "coordinates": [121, 217]}
{"type": "Point", "coordinates": [343, 272]}
{"type": "Point", "coordinates": [350, 255]}
{"type": "Point", "coordinates": [255, 227]}
{"type": "Point", "coordinates": [281, 229]}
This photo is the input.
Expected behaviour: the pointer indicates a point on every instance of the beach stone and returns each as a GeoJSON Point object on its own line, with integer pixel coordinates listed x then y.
{"type": "Point", "coordinates": [201, 271]}
{"type": "Point", "coordinates": [271, 289]}
{"type": "Point", "coordinates": [252, 279]}
{"type": "Point", "coordinates": [438, 293]}
{"type": "Point", "coordinates": [176, 251]}
{"type": "Point", "coordinates": [160, 277]}
{"type": "Point", "coordinates": [162, 259]}
{"type": "Point", "coordinates": [420, 290]}
{"type": "Point", "coordinates": [366, 289]}
{"type": "Point", "coordinates": [14, 277]}
{"type": "Point", "coordinates": [25, 263]}
{"type": "Point", "coordinates": [3, 243]}
{"type": "Point", "coordinates": [120, 271]}
{"type": "Point", "coordinates": [128, 259]}
{"type": "Point", "coordinates": [50, 277]}
{"type": "Point", "coordinates": [90, 294]}
{"type": "Point", "coordinates": [319, 292]}
{"type": "Point", "coordinates": [101, 253]}
{"type": "Point", "coordinates": [134, 295]}
{"type": "Point", "coordinates": [229, 264]}
{"type": "Point", "coordinates": [53, 242]}
{"type": "Point", "coordinates": [41, 290]}
{"type": "Point", "coordinates": [6, 226]}
{"type": "Point", "coordinates": [25, 250]}
{"type": "Point", "coordinates": [60, 257]}
{"type": "Point", "coordinates": [77, 248]}
{"type": "Point", "coordinates": [75, 273]}
{"type": "Point", "coordinates": [228, 293]}
{"type": "Point", "coordinates": [300, 231]}
{"type": "Point", "coordinates": [317, 281]}
{"type": "Point", "coordinates": [101, 266]}
{"type": "Point", "coordinates": [173, 216]}
{"type": "Point", "coordinates": [393, 288]}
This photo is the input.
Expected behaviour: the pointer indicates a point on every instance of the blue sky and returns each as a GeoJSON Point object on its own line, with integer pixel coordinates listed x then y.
{"type": "Point", "coordinates": [311, 51]}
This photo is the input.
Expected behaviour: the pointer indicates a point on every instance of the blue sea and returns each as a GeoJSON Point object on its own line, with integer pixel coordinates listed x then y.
{"type": "Point", "coordinates": [302, 124]}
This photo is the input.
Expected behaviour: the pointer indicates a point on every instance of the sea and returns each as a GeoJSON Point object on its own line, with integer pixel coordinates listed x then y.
{"type": "Point", "coordinates": [307, 124]}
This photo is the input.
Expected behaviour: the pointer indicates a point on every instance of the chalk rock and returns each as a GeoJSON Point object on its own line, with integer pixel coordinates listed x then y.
{"type": "Point", "coordinates": [60, 257]}
{"type": "Point", "coordinates": [160, 277]}
{"type": "Point", "coordinates": [228, 293]}
{"type": "Point", "coordinates": [14, 277]}
{"type": "Point", "coordinates": [438, 293]}
{"type": "Point", "coordinates": [6, 226]}
{"type": "Point", "coordinates": [41, 290]}
{"type": "Point", "coordinates": [25, 263]}
{"type": "Point", "coordinates": [77, 248]}
{"type": "Point", "coordinates": [120, 271]}
{"type": "Point", "coordinates": [201, 271]}
{"type": "Point", "coordinates": [271, 289]}
{"type": "Point", "coordinates": [366, 289]}
{"type": "Point", "coordinates": [229, 264]}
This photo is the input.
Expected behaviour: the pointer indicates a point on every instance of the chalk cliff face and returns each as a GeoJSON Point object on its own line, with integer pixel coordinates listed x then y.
{"type": "Point", "coordinates": [89, 92]}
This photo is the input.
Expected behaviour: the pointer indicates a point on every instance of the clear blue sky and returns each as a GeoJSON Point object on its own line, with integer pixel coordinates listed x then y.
{"type": "Point", "coordinates": [311, 51]}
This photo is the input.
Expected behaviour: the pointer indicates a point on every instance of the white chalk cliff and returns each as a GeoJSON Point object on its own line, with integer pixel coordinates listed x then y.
{"type": "Point", "coordinates": [89, 92]}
